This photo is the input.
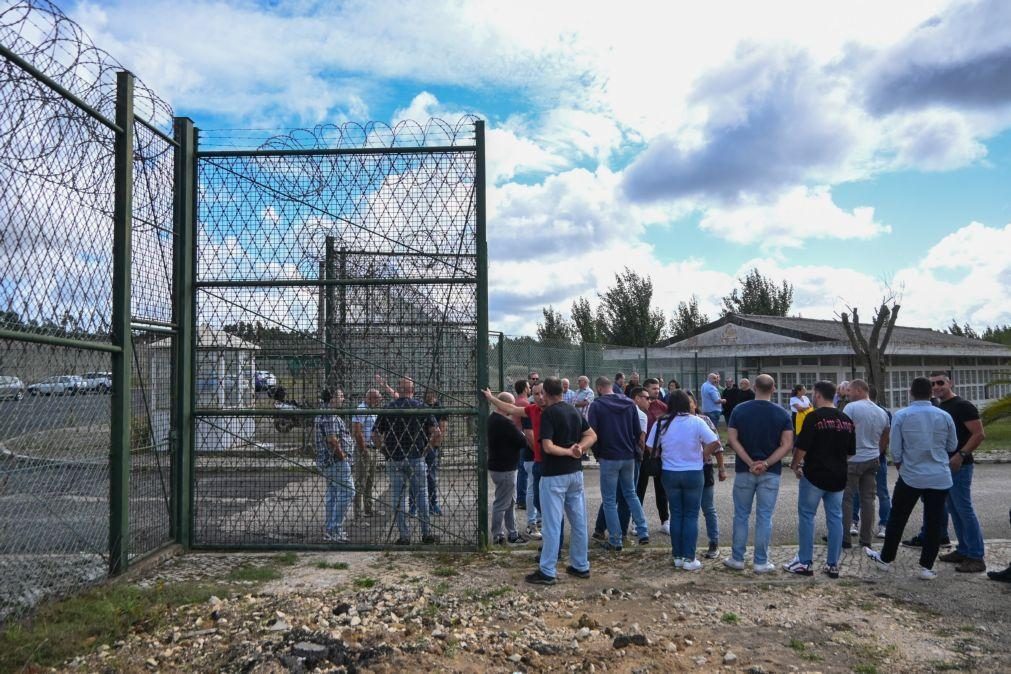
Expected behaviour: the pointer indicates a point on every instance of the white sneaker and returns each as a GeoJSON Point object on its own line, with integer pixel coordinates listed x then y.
{"type": "Point", "coordinates": [927, 574]}
{"type": "Point", "coordinates": [665, 528]}
{"type": "Point", "coordinates": [693, 565]}
{"type": "Point", "coordinates": [533, 532]}
{"type": "Point", "coordinates": [876, 558]}
{"type": "Point", "coordinates": [732, 563]}
{"type": "Point", "coordinates": [854, 529]}
{"type": "Point", "coordinates": [881, 532]}
{"type": "Point", "coordinates": [679, 562]}
{"type": "Point", "coordinates": [768, 567]}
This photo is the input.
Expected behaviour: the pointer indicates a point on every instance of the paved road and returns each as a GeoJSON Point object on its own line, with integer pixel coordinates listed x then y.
{"type": "Point", "coordinates": [990, 495]}
{"type": "Point", "coordinates": [36, 413]}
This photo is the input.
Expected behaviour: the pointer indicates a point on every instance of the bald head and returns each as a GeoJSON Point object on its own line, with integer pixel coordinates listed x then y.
{"type": "Point", "coordinates": [744, 384]}
{"type": "Point", "coordinates": [505, 396]}
{"type": "Point", "coordinates": [765, 385]}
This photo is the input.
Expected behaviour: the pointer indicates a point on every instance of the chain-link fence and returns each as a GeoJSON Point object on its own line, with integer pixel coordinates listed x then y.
{"type": "Point", "coordinates": [339, 259]}
{"type": "Point", "coordinates": [512, 358]}
{"type": "Point", "coordinates": [86, 186]}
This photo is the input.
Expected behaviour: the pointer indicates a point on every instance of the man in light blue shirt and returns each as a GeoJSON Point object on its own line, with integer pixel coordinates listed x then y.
{"type": "Point", "coordinates": [712, 403]}
{"type": "Point", "coordinates": [922, 436]}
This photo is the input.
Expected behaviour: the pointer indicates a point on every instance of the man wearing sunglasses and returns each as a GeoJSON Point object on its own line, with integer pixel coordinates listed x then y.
{"type": "Point", "coordinates": [968, 556]}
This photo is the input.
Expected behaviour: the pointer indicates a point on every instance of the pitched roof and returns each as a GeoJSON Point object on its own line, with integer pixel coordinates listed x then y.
{"type": "Point", "coordinates": [819, 330]}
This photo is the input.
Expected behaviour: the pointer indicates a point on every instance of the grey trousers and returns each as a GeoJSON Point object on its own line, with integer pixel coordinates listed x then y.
{"type": "Point", "coordinates": [502, 507]}
{"type": "Point", "coordinates": [861, 478]}
{"type": "Point", "coordinates": [365, 478]}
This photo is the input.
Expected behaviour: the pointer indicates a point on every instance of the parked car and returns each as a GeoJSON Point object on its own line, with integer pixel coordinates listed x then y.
{"type": "Point", "coordinates": [60, 385]}
{"type": "Point", "coordinates": [265, 380]}
{"type": "Point", "coordinates": [11, 387]}
{"type": "Point", "coordinates": [100, 382]}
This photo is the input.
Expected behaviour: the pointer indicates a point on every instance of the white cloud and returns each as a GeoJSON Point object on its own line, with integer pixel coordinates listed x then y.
{"type": "Point", "coordinates": [796, 216]}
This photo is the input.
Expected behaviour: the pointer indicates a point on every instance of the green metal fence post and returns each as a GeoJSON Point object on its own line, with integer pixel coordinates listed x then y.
{"type": "Point", "coordinates": [183, 316]}
{"type": "Point", "coordinates": [501, 362]}
{"type": "Point", "coordinates": [583, 353]}
{"type": "Point", "coordinates": [645, 363]}
{"type": "Point", "coordinates": [122, 214]}
{"type": "Point", "coordinates": [482, 338]}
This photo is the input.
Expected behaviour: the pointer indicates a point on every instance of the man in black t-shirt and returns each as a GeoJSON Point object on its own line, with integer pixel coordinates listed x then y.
{"type": "Point", "coordinates": [565, 437]}
{"type": "Point", "coordinates": [826, 441]}
{"type": "Point", "coordinates": [968, 556]}
{"type": "Point", "coordinates": [505, 442]}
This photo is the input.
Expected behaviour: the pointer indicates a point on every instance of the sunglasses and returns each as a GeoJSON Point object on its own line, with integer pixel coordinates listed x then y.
{"type": "Point", "coordinates": [937, 383]}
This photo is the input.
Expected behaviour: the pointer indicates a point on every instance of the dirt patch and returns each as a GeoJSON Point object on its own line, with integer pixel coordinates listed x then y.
{"type": "Point", "coordinates": [473, 613]}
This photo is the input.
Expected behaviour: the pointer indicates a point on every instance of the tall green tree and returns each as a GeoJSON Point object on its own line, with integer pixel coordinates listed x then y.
{"type": "Point", "coordinates": [626, 315]}
{"type": "Point", "coordinates": [1000, 334]}
{"type": "Point", "coordinates": [555, 328]}
{"type": "Point", "coordinates": [962, 330]}
{"type": "Point", "coordinates": [585, 321]}
{"type": "Point", "coordinates": [760, 295]}
{"type": "Point", "coordinates": [687, 319]}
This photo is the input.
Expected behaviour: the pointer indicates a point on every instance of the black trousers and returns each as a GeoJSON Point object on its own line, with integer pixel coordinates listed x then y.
{"type": "Point", "coordinates": [904, 498]}
{"type": "Point", "coordinates": [662, 506]}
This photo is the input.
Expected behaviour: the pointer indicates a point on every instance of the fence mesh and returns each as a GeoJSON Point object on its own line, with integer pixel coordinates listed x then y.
{"type": "Point", "coordinates": [346, 265]}
{"type": "Point", "coordinates": [56, 259]}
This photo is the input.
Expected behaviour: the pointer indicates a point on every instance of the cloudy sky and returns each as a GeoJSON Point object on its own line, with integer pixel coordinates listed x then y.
{"type": "Point", "coordinates": [846, 147]}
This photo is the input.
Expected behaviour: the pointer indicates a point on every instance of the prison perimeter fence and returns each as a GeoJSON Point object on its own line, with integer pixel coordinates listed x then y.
{"type": "Point", "coordinates": [188, 318]}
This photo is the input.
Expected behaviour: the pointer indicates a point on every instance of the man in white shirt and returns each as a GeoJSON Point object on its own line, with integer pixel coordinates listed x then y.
{"type": "Point", "coordinates": [871, 425]}
{"type": "Point", "coordinates": [584, 395]}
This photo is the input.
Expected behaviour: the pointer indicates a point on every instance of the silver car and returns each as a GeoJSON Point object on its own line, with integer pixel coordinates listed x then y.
{"type": "Point", "coordinates": [59, 385]}
{"type": "Point", "coordinates": [100, 382]}
{"type": "Point", "coordinates": [11, 387]}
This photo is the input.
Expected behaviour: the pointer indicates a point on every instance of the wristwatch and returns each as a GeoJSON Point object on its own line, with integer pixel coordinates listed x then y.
{"type": "Point", "coordinates": [965, 455]}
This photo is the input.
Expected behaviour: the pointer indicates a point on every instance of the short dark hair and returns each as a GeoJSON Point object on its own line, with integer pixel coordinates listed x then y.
{"type": "Point", "coordinates": [602, 381]}
{"type": "Point", "coordinates": [678, 403]}
{"type": "Point", "coordinates": [635, 391]}
{"type": "Point", "coordinates": [520, 386]}
{"type": "Point", "coordinates": [797, 388]}
{"type": "Point", "coordinates": [552, 386]}
{"type": "Point", "coordinates": [941, 373]}
{"type": "Point", "coordinates": [825, 389]}
{"type": "Point", "coordinates": [920, 389]}
{"type": "Point", "coordinates": [651, 381]}
{"type": "Point", "coordinates": [677, 386]}
{"type": "Point", "coordinates": [620, 375]}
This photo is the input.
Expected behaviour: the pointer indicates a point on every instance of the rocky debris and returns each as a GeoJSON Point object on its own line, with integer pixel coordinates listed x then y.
{"type": "Point", "coordinates": [729, 658]}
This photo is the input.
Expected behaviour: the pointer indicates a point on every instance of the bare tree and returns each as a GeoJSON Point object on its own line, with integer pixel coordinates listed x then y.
{"type": "Point", "coordinates": [871, 348]}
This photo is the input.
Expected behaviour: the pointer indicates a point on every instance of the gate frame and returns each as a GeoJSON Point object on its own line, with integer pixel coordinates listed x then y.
{"type": "Point", "coordinates": [186, 290]}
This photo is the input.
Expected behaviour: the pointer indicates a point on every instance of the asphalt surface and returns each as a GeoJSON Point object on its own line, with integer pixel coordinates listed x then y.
{"type": "Point", "coordinates": [38, 413]}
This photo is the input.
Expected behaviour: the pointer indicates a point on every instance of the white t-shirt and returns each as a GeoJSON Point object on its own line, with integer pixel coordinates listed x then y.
{"type": "Point", "coordinates": [799, 404]}
{"type": "Point", "coordinates": [643, 419]}
{"type": "Point", "coordinates": [682, 441]}
{"type": "Point", "coordinates": [869, 422]}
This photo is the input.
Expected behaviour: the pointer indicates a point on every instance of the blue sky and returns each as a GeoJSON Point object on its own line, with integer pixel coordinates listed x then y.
{"type": "Point", "coordinates": [855, 149]}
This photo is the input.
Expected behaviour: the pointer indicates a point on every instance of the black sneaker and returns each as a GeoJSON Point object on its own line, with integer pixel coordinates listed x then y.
{"type": "Point", "coordinates": [521, 505]}
{"type": "Point", "coordinates": [644, 540]}
{"type": "Point", "coordinates": [429, 540]}
{"type": "Point", "coordinates": [1002, 576]}
{"type": "Point", "coordinates": [914, 542]}
{"type": "Point", "coordinates": [599, 536]}
{"type": "Point", "coordinates": [573, 571]}
{"type": "Point", "coordinates": [518, 539]}
{"type": "Point", "coordinates": [606, 545]}
{"type": "Point", "coordinates": [831, 570]}
{"type": "Point", "coordinates": [402, 541]}
{"type": "Point", "coordinates": [538, 578]}
{"type": "Point", "coordinates": [500, 540]}
{"type": "Point", "coordinates": [713, 552]}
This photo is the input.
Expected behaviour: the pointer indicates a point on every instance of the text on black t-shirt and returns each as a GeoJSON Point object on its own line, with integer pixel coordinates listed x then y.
{"type": "Point", "coordinates": [829, 439]}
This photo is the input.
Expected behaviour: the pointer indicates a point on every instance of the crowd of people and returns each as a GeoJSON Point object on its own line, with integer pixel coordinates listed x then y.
{"type": "Point", "coordinates": [836, 445]}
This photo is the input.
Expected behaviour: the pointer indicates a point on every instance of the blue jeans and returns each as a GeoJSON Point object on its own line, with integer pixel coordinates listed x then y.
{"type": "Point", "coordinates": [808, 497]}
{"type": "Point", "coordinates": [409, 475]}
{"type": "Point", "coordinates": [340, 494]}
{"type": "Point", "coordinates": [433, 461]}
{"type": "Point", "coordinates": [884, 498]}
{"type": "Point", "coordinates": [963, 516]}
{"type": "Point", "coordinates": [615, 476]}
{"type": "Point", "coordinates": [749, 489]}
{"type": "Point", "coordinates": [521, 481]}
{"type": "Point", "coordinates": [536, 472]}
{"type": "Point", "coordinates": [529, 491]}
{"type": "Point", "coordinates": [624, 515]}
{"type": "Point", "coordinates": [684, 495]}
{"type": "Point", "coordinates": [714, 417]}
{"type": "Point", "coordinates": [563, 494]}
{"type": "Point", "coordinates": [709, 511]}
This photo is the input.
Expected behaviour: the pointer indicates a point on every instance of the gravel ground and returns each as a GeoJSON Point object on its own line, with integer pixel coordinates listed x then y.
{"type": "Point", "coordinates": [391, 612]}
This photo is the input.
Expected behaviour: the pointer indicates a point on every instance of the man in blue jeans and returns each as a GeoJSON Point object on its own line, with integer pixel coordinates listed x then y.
{"type": "Point", "coordinates": [334, 460]}
{"type": "Point", "coordinates": [968, 556]}
{"type": "Point", "coordinates": [760, 433]}
{"type": "Point", "coordinates": [821, 463]}
{"type": "Point", "coordinates": [615, 420]}
{"type": "Point", "coordinates": [712, 403]}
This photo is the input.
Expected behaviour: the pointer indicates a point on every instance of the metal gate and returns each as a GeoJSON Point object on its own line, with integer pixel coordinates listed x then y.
{"type": "Point", "coordinates": [348, 259]}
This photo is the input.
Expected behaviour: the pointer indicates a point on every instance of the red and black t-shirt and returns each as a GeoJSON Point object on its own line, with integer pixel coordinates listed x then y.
{"type": "Point", "coordinates": [828, 440]}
